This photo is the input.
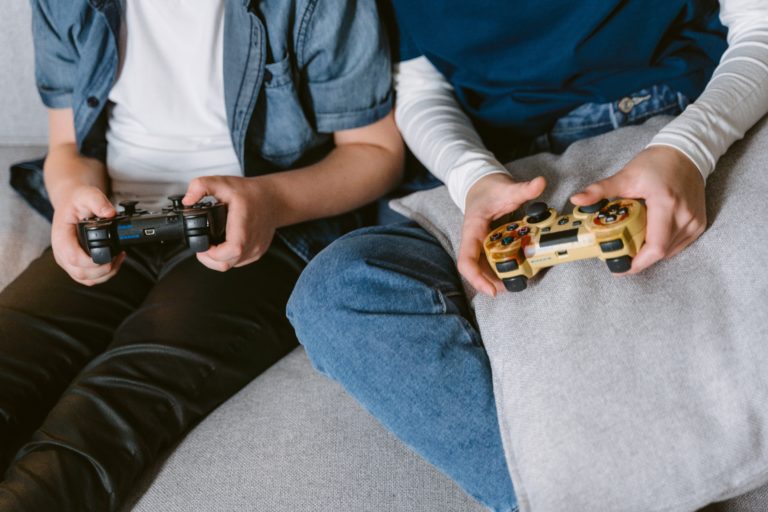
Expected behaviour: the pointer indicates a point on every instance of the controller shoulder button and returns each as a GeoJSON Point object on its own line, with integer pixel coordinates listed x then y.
{"type": "Point", "coordinates": [612, 245]}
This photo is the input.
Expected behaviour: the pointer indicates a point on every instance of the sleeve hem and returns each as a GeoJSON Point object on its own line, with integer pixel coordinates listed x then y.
{"type": "Point", "coordinates": [56, 100]}
{"type": "Point", "coordinates": [329, 122]}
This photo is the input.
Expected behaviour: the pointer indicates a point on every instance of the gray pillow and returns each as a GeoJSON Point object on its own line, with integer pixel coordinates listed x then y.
{"type": "Point", "coordinates": [643, 393]}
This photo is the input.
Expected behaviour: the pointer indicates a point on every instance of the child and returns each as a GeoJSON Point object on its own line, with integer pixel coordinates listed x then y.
{"type": "Point", "coordinates": [480, 86]}
{"type": "Point", "coordinates": [102, 367]}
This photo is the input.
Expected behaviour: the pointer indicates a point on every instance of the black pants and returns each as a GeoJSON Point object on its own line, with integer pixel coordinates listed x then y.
{"type": "Point", "coordinates": [95, 383]}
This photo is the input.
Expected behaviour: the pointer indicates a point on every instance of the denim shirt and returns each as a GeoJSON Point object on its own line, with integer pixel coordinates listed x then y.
{"type": "Point", "coordinates": [295, 71]}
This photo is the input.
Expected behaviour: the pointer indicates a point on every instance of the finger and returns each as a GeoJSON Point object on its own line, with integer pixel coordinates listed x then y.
{"type": "Point", "coordinates": [603, 189]}
{"type": "Point", "coordinates": [219, 266]}
{"type": "Point", "coordinates": [470, 248]}
{"type": "Point", "coordinates": [523, 192]}
{"type": "Point", "coordinates": [490, 275]}
{"type": "Point", "coordinates": [98, 275]}
{"type": "Point", "coordinates": [660, 229]}
{"type": "Point", "coordinates": [685, 238]}
{"type": "Point", "coordinates": [199, 188]}
{"type": "Point", "coordinates": [91, 201]}
{"type": "Point", "coordinates": [67, 251]}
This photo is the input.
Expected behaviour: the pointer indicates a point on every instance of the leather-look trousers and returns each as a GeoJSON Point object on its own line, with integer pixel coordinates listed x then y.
{"type": "Point", "coordinates": [96, 383]}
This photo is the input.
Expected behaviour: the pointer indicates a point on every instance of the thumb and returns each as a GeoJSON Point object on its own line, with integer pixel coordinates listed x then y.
{"type": "Point", "coordinates": [92, 201]}
{"type": "Point", "coordinates": [198, 188]}
{"type": "Point", "coordinates": [602, 189]}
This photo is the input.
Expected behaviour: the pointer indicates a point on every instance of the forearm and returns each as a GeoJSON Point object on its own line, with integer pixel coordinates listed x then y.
{"type": "Point", "coordinates": [66, 169]}
{"type": "Point", "coordinates": [350, 176]}
{"type": "Point", "coordinates": [736, 96]}
{"type": "Point", "coordinates": [438, 131]}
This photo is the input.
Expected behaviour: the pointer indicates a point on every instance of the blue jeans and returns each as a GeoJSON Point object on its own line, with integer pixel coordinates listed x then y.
{"type": "Point", "coordinates": [382, 311]}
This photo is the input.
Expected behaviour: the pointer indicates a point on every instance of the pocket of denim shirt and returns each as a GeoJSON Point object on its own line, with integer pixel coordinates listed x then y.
{"type": "Point", "coordinates": [285, 130]}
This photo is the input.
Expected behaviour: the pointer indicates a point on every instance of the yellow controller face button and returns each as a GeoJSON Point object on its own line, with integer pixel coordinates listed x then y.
{"type": "Point", "coordinates": [612, 231]}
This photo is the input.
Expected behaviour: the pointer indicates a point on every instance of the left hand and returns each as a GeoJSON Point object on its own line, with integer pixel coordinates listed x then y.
{"type": "Point", "coordinates": [251, 221]}
{"type": "Point", "coordinates": [673, 190]}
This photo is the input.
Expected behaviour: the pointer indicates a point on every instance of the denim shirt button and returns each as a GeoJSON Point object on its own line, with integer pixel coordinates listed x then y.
{"type": "Point", "coordinates": [267, 76]}
{"type": "Point", "coordinates": [93, 101]}
{"type": "Point", "coordinates": [626, 105]}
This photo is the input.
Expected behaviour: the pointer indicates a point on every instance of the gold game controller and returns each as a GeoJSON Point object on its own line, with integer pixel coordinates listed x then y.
{"type": "Point", "coordinates": [612, 231]}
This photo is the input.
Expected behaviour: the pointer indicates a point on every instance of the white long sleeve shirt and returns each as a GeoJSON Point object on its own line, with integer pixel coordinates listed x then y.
{"type": "Point", "coordinates": [442, 137]}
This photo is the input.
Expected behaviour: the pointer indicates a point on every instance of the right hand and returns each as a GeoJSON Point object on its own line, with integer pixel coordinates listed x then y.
{"type": "Point", "coordinates": [82, 202]}
{"type": "Point", "coordinates": [491, 197]}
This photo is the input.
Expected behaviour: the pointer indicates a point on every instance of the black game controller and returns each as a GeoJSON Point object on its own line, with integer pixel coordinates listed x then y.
{"type": "Point", "coordinates": [199, 226]}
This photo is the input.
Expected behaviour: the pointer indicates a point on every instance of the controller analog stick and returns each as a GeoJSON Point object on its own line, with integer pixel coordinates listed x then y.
{"type": "Point", "coordinates": [176, 201]}
{"type": "Point", "coordinates": [129, 207]}
{"type": "Point", "coordinates": [537, 212]}
{"type": "Point", "coordinates": [592, 208]}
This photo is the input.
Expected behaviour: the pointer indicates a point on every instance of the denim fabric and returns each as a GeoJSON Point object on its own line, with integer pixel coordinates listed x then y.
{"type": "Point", "coordinates": [592, 119]}
{"type": "Point", "coordinates": [382, 311]}
{"type": "Point", "coordinates": [294, 71]}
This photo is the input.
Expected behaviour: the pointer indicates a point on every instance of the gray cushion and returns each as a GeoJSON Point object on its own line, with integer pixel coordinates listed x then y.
{"type": "Point", "coordinates": [23, 232]}
{"type": "Point", "coordinates": [642, 393]}
{"type": "Point", "coordinates": [291, 441]}
{"type": "Point", "coordinates": [22, 115]}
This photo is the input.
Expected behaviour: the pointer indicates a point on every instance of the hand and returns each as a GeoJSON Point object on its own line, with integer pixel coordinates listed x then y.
{"type": "Point", "coordinates": [673, 190]}
{"type": "Point", "coordinates": [80, 203]}
{"type": "Point", "coordinates": [490, 198]}
{"type": "Point", "coordinates": [251, 221]}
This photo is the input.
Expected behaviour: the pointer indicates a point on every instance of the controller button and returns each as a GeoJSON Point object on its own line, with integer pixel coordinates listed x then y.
{"type": "Point", "coordinates": [516, 284]}
{"type": "Point", "coordinates": [196, 222]}
{"type": "Point", "coordinates": [101, 255]}
{"type": "Point", "coordinates": [495, 237]}
{"type": "Point", "coordinates": [609, 218]}
{"type": "Point", "coordinates": [198, 243]}
{"type": "Point", "coordinates": [611, 245]}
{"type": "Point", "coordinates": [546, 230]}
{"type": "Point", "coordinates": [563, 221]}
{"type": "Point", "coordinates": [507, 240]}
{"type": "Point", "coordinates": [623, 211]}
{"type": "Point", "coordinates": [592, 208]}
{"type": "Point", "coordinates": [512, 227]}
{"type": "Point", "coordinates": [97, 234]}
{"type": "Point", "coordinates": [524, 231]}
{"type": "Point", "coordinates": [577, 223]}
{"type": "Point", "coordinates": [507, 266]}
{"type": "Point", "coordinates": [620, 264]}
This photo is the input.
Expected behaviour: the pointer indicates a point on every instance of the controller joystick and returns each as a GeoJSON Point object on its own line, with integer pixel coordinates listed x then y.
{"type": "Point", "coordinates": [612, 231]}
{"type": "Point", "coordinates": [592, 208]}
{"type": "Point", "coordinates": [176, 203]}
{"type": "Point", "coordinates": [537, 212]}
{"type": "Point", "coordinates": [197, 227]}
{"type": "Point", "coordinates": [129, 207]}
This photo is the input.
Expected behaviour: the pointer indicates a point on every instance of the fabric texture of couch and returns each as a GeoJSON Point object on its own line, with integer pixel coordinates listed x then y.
{"type": "Point", "coordinates": [289, 441]}
{"type": "Point", "coordinates": [643, 393]}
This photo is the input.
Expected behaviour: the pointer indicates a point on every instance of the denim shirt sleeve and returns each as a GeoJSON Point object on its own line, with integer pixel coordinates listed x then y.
{"type": "Point", "coordinates": [347, 60]}
{"type": "Point", "coordinates": [55, 57]}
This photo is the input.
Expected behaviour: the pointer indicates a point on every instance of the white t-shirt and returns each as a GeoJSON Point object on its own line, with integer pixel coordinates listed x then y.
{"type": "Point", "coordinates": [168, 123]}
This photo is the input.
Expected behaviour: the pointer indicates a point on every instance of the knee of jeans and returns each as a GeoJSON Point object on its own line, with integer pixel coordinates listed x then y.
{"type": "Point", "coordinates": [319, 304]}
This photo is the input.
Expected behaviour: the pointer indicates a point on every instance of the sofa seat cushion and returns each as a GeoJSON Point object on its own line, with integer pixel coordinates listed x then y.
{"type": "Point", "coordinates": [642, 393]}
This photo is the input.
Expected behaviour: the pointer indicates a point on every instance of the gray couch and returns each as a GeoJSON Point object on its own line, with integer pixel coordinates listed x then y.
{"type": "Point", "coordinates": [291, 440]}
